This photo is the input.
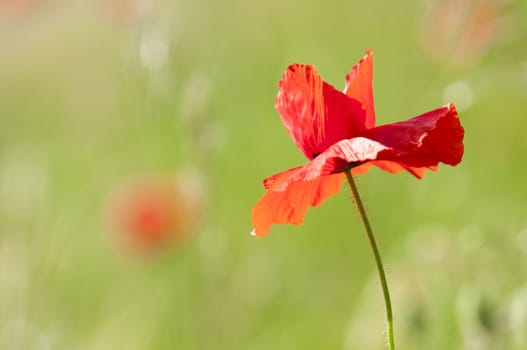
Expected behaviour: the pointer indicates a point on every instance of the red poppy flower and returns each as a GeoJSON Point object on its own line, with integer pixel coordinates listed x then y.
{"type": "Point", "coordinates": [336, 131]}
{"type": "Point", "coordinates": [12, 8]}
{"type": "Point", "coordinates": [148, 213]}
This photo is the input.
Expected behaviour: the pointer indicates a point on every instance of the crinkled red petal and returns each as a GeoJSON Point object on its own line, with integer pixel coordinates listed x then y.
{"type": "Point", "coordinates": [290, 204]}
{"type": "Point", "coordinates": [315, 114]}
{"type": "Point", "coordinates": [423, 141]}
{"type": "Point", "coordinates": [391, 167]}
{"type": "Point", "coordinates": [359, 86]}
{"type": "Point", "coordinates": [394, 168]}
{"type": "Point", "coordinates": [415, 145]}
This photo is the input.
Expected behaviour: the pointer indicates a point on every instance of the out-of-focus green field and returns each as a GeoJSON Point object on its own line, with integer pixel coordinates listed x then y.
{"type": "Point", "coordinates": [93, 92]}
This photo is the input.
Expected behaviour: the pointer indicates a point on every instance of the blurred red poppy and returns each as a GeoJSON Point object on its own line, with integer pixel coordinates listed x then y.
{"type": "Point", "coordinates": [147, 213]}
{"type": "Point", "coordinates": [12, 8]}
{"type": "Point", "coordinates": [336, 131]}
{"type": "Point", "coordinates": [127, 13]}
{"type": "Point", "coordinates": [461, 32]}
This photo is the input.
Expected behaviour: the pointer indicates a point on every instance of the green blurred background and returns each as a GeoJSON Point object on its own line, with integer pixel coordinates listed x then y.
{"type": "Point", "coordinates": [92, 92]}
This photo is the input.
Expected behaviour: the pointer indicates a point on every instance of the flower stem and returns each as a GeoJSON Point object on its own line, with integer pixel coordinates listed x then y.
{"type": "Point", "coordinates": [378, 261]}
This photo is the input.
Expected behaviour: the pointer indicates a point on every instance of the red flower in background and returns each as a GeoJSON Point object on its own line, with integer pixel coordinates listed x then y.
{"type": "Point", "coordinates": [147, 213]}
{"type": "Point", "coordinates": [461, 32]}
{"type": "Point", "coordinates": [12, 8]}
{"type": "Point", "coordinates": [336, 131]}
{"type": "Point", "coordinates": [127, 12]}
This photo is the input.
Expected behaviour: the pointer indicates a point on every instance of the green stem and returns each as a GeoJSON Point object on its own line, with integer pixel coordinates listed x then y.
{"type": "Point", "coordinates": [378, 261]}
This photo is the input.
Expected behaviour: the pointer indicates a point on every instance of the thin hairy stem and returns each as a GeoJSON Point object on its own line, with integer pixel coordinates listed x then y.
{"type": "Point", "coordinates": [378, 260]}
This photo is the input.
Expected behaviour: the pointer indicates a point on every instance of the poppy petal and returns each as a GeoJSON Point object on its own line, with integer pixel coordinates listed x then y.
{"type": "Point", "coordinates": [423, 141]}
{"type": "Point", "coordinates": [391, 167]}
{"type": "Point", "coordinates": [420, 142]}
{"type": "Point", "coordinates": [338, 157]}
{"type": "Point", "coordinates": [359, 86]}
{"type": "Point", "coordinates": [291, 204]}
{"type": "Point", "coordinates": [315, 114]}
{"type": "Point", "coordinates": [394, 168]}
